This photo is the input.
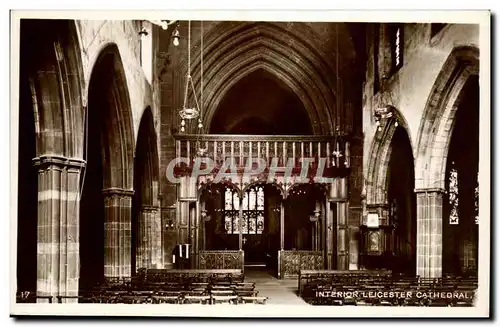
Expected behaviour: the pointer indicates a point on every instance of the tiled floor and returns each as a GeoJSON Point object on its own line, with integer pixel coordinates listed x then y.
{"type": "Point", "coordinates": [279, 291]}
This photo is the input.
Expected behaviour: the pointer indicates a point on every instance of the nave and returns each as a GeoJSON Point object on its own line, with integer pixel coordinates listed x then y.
{"type": "Point", "coordinates": [258, 286]}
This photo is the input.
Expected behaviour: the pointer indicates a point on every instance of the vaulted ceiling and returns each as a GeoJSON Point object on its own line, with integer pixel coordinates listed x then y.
{"type": "Point", "coordinates": [306, 62]}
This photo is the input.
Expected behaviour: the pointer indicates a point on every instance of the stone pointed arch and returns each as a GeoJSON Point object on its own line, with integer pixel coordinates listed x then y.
{"type": "Point", "coordinates": [240, 48]}
{"type": "Point", "coordinates": [438, 119]}
{"type": "Point", "coordinates": [433, 141]}
{"type": "Point", "coordinates": [206, 184]}
{"type": "Point", "coordinates": [146, 151]}
{"type": "Point", "coordinates": [377, 181]}
{"type": "Point", "coordinates": [110, 121]}
{"type": "Point", "coordinates": [276, 186]}
{"type": "Point", "coordinates": [56, 83]}
{"type": "Point", "coordinates": [265, 63]}
{"type": "Point", "coordinates": [116, 114]}
{"type": "Point", "coordinates": [146, 223]}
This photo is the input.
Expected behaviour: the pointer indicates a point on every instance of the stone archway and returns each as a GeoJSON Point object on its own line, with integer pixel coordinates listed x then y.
{"type": "Point", "coordinates": [433, 142]}
{"type": "Point", "coordinates": [435, 129]}
{"type": "Point", "coordinates": [51, 110]}
{"type": "Point", "coordinates": [402, 203]}
{"type": "Point", "coordinates": [238, 49]}
{"type": "Point", "coordinates": [460, 201]}
{"type": "Point", "coordinates": [379, 156]}
{"type": "Point", "coordinates": [391, 164]}
{"type": "Point", "coordinates": [107, 191]}
{"type": "Point", "coordinates": [146, 223]}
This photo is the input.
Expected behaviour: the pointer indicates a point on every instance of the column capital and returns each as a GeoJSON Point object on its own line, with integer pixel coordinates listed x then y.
{"type": "Point", "coordinates": [61, 161]}
{"type": "Point", "coordinates": [430, 190]}
{"type": "Point", "coordinates": [115, 191]}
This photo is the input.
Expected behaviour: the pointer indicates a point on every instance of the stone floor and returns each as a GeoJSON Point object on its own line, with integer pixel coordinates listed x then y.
{"type": "Point", "coordinates": [279, 291]}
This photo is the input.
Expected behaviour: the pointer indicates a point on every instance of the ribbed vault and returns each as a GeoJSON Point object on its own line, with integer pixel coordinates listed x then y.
{"type": "Point", "coordinates": [234, 50]}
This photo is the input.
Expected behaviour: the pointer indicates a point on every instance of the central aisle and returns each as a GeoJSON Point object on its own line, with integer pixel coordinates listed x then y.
{"type": "Point", "coordinates": [279, 291]}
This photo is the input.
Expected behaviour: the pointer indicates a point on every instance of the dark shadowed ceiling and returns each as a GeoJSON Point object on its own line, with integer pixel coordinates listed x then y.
{"type": "Point", "coordinates": [260, 104]}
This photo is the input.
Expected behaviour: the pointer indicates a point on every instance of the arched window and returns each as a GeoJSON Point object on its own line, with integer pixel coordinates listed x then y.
{"type": "Point", "coordinates": [397, 45]}
{"type": "Point", "coordinates": [453, 194]}
{"type": "Point", "coordinates": [252, 207]}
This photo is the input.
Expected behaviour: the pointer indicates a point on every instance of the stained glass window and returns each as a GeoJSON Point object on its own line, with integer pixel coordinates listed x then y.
{"type": "Point", "coordinates": [229, 199]}
{"type": "Point", "coordinates": [244, 225]}
{"type": "Point", "coordinates": [394, 212]}
{"type": "Point", "coordinates": [397, 45]}
{"type": "Point", "coordinates": [252, 226]}
{"type": "Point", "coordinates": [260, 199]}
{"type": "Point", "coordinates": [236, 201]}
{"type": "Point", "coordinates": [251, 200]}
{"type": "Point", "coordinates": [228, 224]}
{"type": "Point", "coordinates": [453, 195]}
{"type": "Point", "coordinates": [236, 224]}
{"type": "Point", "coordinates": [260, 224]}
{"type": "Point", "coordinates": [253, 211]}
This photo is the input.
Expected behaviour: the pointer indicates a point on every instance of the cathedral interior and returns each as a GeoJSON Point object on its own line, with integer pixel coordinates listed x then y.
{"type": "Point", "coordinates": [390, 111]}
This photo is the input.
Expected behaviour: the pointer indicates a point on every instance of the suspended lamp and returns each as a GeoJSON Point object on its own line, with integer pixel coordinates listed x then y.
{"type": "Point", "coordinates": [337, 152]}
{"type": "Point", "coordinates": [187, 112]}
{"type": "Point", "coordinates": [176, 36]}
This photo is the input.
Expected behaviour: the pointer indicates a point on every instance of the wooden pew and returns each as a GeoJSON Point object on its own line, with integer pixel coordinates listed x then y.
{"type": "Point", "coordinates": [196, 299]}
{"type": "Point", "coordinates": [228, 299]}
{"type": "Point", "coordinates": [306, 275]}
{"type": "Point", "coordinates": [165, 299]}
{"type": "Point", "coordinates": [253, 299]}
{"type": "Point", "coordinates": [194, 275]}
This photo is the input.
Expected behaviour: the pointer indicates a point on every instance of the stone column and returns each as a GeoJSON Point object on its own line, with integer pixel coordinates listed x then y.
{"type": "Point", "coordinates": [58, 257]}
{"type": "Point", "coordinates": [330, 252]}
{"type": "Point", "coordinates": [429, 232]}
{"type": "Point", "coordinates": [282, 224]}
{"type": "Point", "coordinates": [342, 236]}
{"type": "Point", "coordinates": [201, 226]}
{"type": "Point", "coordinates": [282, 235]}
{"type": "Point", "coordinates": [193, 233]}
{"type": "Point", "coordinates": [149, 247]}
{"type": "Point", "coordinates": [240, 223]}
{"type": "Point", "coordinates": [169, 221]}
{"type": "Point", "coordinates": [183, 223]}
{"type": "Point", "coordinates": [117, 232]}
{"type": "Point", "coordinates": [338, 197]}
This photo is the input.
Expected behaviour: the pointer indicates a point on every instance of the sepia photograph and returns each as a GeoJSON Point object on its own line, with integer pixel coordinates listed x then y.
{"type": "Point", "coordinates": [257, 164]}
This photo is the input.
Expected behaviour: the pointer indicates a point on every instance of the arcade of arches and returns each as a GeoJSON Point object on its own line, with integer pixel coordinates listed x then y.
{"type": "Point", "coordinates": [94, 201]}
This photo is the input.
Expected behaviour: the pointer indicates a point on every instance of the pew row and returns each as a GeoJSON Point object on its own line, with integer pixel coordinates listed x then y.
{"type": "Point", "coordinates": [305, 276]}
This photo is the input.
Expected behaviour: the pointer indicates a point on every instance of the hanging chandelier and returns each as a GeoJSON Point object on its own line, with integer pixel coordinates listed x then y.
{"type": "Point", "coordinates": [187, 112]}
{"type": "Point", "coordinates": [194, 111]}
{"type": "Point", "coordinates": [164, 24]}
{"type": "Point", "coordinates": [337, 153]}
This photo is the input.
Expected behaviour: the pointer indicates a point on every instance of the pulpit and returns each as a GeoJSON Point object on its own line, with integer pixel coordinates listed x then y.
{"type": "Point", "coordinates": [376, 244]}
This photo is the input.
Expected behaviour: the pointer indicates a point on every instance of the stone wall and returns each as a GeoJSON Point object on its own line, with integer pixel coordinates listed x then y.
{"type": "Point", "coordinates": [423, 92]}
{"type": "Point", "coordinates": [95, 35]}
{"type": "Point", "coordinates": [423, 59]}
